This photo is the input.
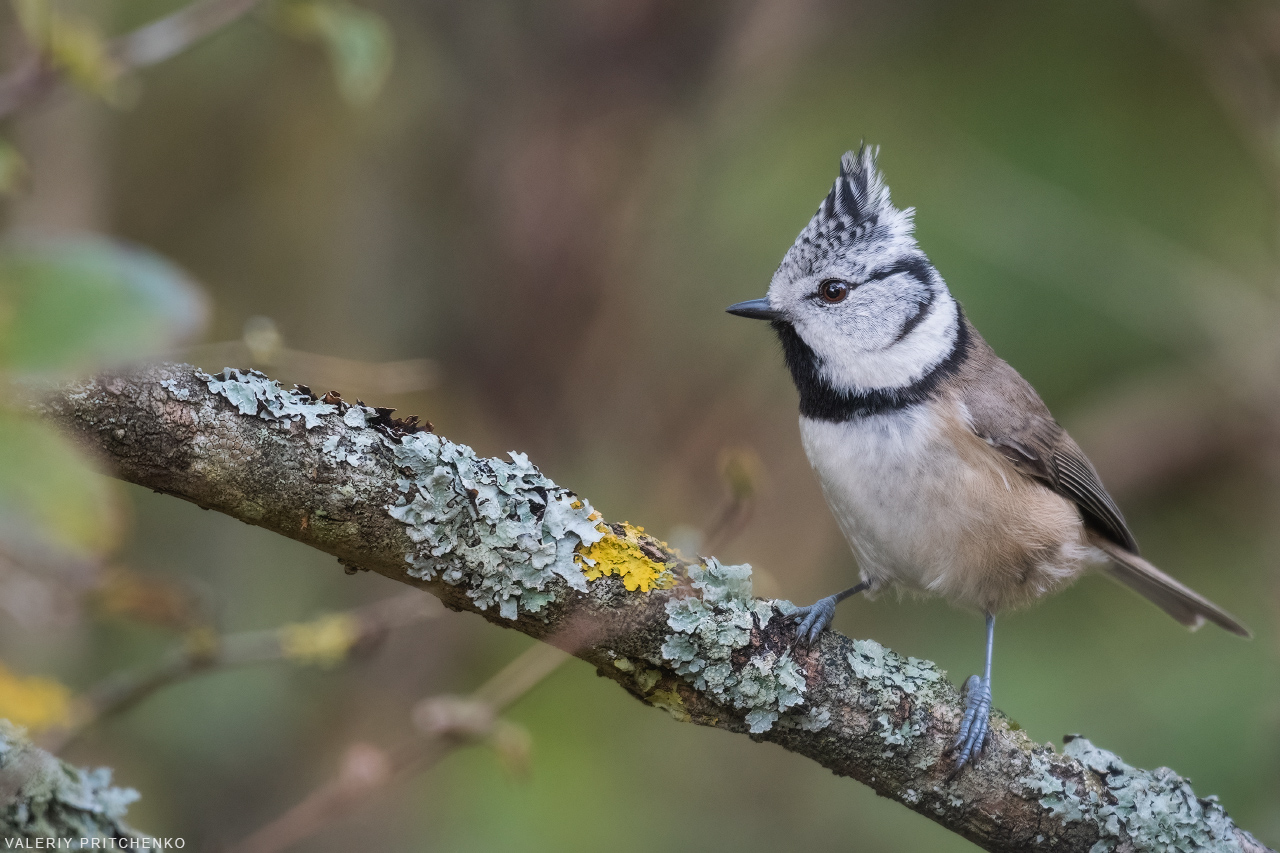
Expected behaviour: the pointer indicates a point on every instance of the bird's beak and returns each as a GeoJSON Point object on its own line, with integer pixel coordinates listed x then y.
{"type": "Point", "coordinates": [755, 309]}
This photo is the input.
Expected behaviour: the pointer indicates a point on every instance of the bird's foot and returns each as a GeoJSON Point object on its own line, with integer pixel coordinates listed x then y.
{"type": "Point", "coordinates": [976, 723]}
{"type": "Point", "coordinates": [814, 619]}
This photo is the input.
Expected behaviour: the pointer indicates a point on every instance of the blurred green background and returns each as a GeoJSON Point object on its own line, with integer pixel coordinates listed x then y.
{"type": "Point", "coordinates": [528, 236]}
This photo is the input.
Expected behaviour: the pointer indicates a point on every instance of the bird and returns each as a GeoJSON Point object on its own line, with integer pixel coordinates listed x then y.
{"type": "Point", "coordinates": [943, 468]}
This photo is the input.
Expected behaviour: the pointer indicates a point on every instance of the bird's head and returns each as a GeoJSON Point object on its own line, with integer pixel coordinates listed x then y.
{"type": "Point", "coordinates": [854, 299]}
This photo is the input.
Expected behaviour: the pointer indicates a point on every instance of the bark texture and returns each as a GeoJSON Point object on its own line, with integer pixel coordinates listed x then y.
{"type": "Point", "coordinates": [685, 637]}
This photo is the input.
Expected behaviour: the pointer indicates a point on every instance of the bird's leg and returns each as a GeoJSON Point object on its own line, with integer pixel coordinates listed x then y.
{"type": "Point", "coordinates": [815, 618]}
{"type": "Point", "coordinates": [975, 724]}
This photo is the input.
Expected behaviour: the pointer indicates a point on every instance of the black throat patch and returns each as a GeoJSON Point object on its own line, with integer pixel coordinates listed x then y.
{"type": "Point", "coordinates": [820, 401]}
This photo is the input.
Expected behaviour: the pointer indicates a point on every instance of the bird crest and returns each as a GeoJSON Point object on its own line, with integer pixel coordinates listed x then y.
{"type": "Point", "coordinates": [856, 219]}
{"type": "Point", "coordinates": [859, 195]}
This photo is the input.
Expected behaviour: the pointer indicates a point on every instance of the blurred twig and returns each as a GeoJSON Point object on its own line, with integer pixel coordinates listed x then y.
{"type": "Point", "coordinates": [323, 640]}
{"type": "Point", "coordinates": [326, 371]}
{"type": "Point", "coordinates": [167, 37]}
{"type": "Point", "coordinates": [741, 470]}
{"type": "Point", "coordinates": [263, 346]}
{"type": "Point", "coordinates": [36, 77]}
{"type": "Point", "coordinates": [446, 723]}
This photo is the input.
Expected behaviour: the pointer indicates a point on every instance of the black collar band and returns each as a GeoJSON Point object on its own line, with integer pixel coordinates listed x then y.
{"type": "Point", "coordinates": [820, 401]}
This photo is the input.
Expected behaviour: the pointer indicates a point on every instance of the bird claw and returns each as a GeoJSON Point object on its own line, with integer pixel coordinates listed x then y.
{"type": "Point", "coordinates": [975, 725]}
{"type": "Point", "coordinates": [814, 619]}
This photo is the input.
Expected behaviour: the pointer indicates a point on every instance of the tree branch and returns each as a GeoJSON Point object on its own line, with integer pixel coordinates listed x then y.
{"type": "Point", "coordinates": [499, 539]}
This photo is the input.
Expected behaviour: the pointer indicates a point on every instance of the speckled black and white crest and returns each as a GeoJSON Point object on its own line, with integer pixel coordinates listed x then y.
{"type": "Point", "coordinates": [856, 219]}
{"type": "Point", "coordinates": [897, 324]}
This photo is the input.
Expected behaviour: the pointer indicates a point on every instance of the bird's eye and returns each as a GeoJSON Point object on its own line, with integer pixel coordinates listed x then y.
{"type": "Point", "coordinates": [833, 290]}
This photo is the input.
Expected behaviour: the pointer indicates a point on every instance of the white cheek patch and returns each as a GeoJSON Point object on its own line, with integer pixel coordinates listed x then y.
{"type": "Point", "coordinates": [902, 363]}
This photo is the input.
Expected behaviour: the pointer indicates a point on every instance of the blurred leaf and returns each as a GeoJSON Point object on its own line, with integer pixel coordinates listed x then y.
{"type": "Point", "coordinates": [73, 44]}
{"type": "Point", "coordinates": [358, 42]}
{"type": "Point", "coordinates": [45, 482]}
{"type": "Point", "coordinates": [322, 642]}
{"type": "Point", "coordinates": [32, 702]}
{"type": "Point", "coordinates": [202, 643]}
{"type": "Point", "coordinates": [33, 17]}
{"type": "Point", "coordinates": [78, 303]}
{"type": "Point", "coordinates": [78, 48]}
{"type": "Point", "coordinates": [13, 167]}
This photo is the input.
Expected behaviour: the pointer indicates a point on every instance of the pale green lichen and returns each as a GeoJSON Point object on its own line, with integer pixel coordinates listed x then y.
{"type": "Point", "coordinates": [252, 393]}
{"type": "Point", "coordinates": [351, 447]}
{"type": "Point", "coordinates": [882, 669]}
{"type": "Point", "coordinates": [708, 630]}
{"type": "Point", "coordinates": [49, 798]}
{"type": "Point", "coordinates": [1060, 797]}
{"type": "Point", "coordinates": [501, 529]}
{"type": "Point", "coordinates": [1147, 809]}
{"type": "Point", "coordinates": [814, 720]}
{"type": "Point", "coordinates": [178, 392]}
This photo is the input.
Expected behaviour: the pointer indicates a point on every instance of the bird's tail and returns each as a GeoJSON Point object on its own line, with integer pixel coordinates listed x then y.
{"type": "Point", "coordinates": [1181, 602]}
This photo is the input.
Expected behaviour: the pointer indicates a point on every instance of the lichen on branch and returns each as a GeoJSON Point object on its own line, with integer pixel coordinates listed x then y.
{"type": "Point", "coordinates": [500, 529]}
{"type": "Point", "coordinates": [42, 797]}
{"type": "Point", "coordinates": [708, 631]}
{"type": "Point", "coordinates": [503, 532]}
{"type": "Point", "coordinates": [498, 538]}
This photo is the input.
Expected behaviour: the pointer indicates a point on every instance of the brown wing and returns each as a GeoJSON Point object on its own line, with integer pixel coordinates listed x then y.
{"type": "Point", "coordinates": [1077, 479]}
{"type": "Point", "coordinates": [1006, 412]}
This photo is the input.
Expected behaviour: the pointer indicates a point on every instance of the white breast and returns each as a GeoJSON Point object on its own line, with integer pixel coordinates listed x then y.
{"type": "Point", "coordinates": [927, 506]}
{"type": "Point", "coordinates": [880, 476]}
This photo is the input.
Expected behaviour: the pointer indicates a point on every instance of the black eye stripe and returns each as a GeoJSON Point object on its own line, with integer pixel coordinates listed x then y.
{"type": "Point", "coordinates": [909, 325]}
{"type": "Point", "coordinates": [917, 267]}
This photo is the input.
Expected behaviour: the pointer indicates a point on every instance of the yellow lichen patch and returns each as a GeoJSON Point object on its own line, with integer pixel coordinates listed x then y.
{"type": "Point", "coordinates": [202, 643]}
{"type": "Point", "coordinates": [647, 678]}
{"type": "Point", "coordinates": [323, 642]}
{"type": "Point", "coordinates": [33, 702]}
{"type": "Point", "coordinates": [622, 557]}
{"type": "Point", "coordinates": [669, 701]}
